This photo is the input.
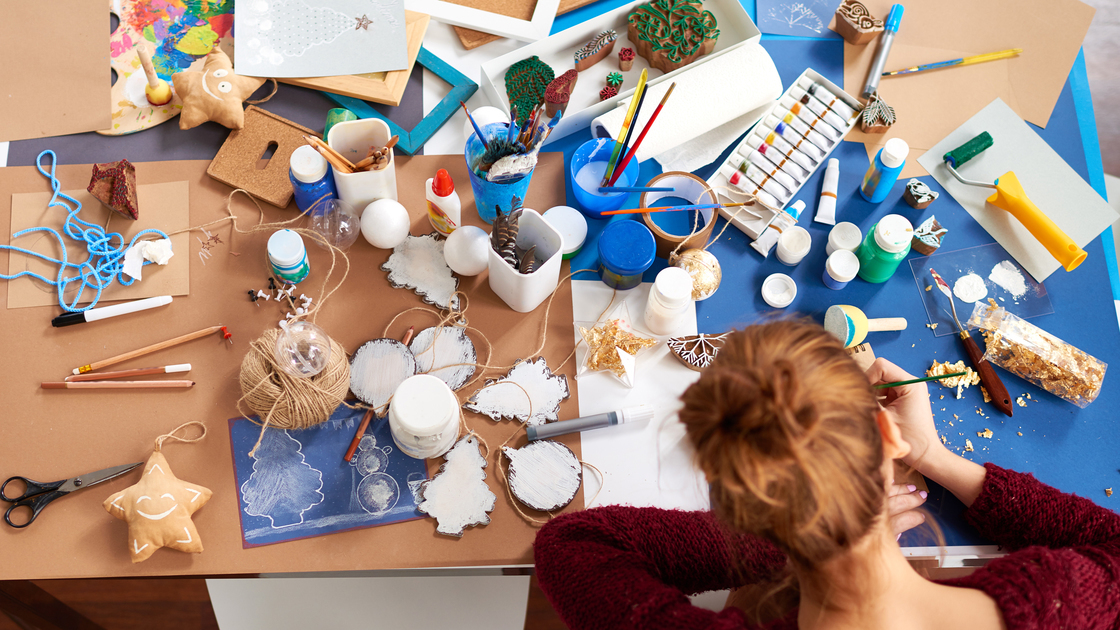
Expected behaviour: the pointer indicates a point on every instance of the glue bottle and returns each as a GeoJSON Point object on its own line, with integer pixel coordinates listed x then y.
{"type": "Point", "coordinates": [444, 207]}
{"type": "Point", "coordinates": [884, 170]}
{"type": "Point", "coordinates": [311, 177]}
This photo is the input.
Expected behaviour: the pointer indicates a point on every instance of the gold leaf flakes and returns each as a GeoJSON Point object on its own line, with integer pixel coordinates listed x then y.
{"type": "Point", "coordinates": [986, 433]}
{"type": "Point", "coordinates": [968, 446]}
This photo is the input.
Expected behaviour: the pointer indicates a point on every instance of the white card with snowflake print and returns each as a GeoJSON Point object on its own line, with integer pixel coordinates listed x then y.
{"type": "Point", "coordinates": [315, 38]}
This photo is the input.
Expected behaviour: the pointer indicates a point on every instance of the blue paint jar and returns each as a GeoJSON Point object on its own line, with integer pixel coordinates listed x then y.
{"type": "Point", "coordinates": [626, 250]}
{"type": "Point", "coordinates": [312, 180]}
{"type": "Point", "coordinates": [288, 256]}
{"type": "Point", "coordinates": [840, 268]}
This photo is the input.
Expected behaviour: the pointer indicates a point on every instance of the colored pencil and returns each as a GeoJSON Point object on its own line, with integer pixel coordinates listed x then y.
{"type": "Point", "coordinates": [408, 335]}
{"type": "Point", "coordinates": [117, 384]}
{"type": "Point", "coordinates": [618, 189]}
{"type": "Point", "coordinates": [638, 142]}
{"type": "Point", "coordinates": [710, 206]}
{"type": "Point", "coordinates": [963, 61]}
{"type": "Point", "coordinates": [477, 131]}
{"type": "Point", "coordinates": [104, 376]}
{"type": "Point", "coordinates": [626, 122]}
{"type": "Point", "coordinates": [609, 176]}
{"type": "Point", "coordinates": [358, 436]}
{"type": "Point", "coordinates": [919, 380]}
{"type": "Point", "coordinates": [147, 350]}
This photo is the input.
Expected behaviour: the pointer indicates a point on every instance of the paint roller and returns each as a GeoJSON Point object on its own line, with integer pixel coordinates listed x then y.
{"type": "Point", "coordinates": [1010, 196]}
{"type": "Point", "coordinates": [850, 325]}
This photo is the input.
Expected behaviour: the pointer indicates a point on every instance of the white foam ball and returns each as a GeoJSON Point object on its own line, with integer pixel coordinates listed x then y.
{"type": "Point", "coordinates": [484, 115]}
{"type": "Point", "coordinates": [467, 250]}
{"type": "Point", "coordinates": [385, 223]}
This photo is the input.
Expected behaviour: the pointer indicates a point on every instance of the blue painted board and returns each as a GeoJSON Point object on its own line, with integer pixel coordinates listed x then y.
{"type": "Point", "coordinates": [298, 485]}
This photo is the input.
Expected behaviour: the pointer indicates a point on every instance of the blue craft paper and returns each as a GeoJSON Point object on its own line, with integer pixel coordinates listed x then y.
{"type": "Point", "coordinates": [319, 492]}
{"type": "Point", "coordinates": [807, 18]}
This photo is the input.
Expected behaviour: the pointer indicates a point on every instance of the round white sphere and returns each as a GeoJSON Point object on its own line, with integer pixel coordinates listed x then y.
{"type": "Point", "coordinates": [385, 223]}
{"type": "Point", "coordinates": [467, 250]}
{"type": "Point", "coordinates": [484, 116]}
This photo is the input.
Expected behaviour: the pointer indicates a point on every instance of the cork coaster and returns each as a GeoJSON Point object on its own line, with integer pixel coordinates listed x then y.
{"type": "Point", "coordinates": [236, 162]}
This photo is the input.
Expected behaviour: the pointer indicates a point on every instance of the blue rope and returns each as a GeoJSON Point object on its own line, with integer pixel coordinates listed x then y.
{"type": "Point", "coordinates": [106, 250]}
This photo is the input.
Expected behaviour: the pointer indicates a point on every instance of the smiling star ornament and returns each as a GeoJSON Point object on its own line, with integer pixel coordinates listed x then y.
{"type": "Point", "coordinates": [158, 510]}
{"type": "Point", "coordinates": [214, 93]}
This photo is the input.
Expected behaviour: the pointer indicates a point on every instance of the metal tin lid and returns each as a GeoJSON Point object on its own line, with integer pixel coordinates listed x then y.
{"type": "Point", "coordinates": [626, 247]}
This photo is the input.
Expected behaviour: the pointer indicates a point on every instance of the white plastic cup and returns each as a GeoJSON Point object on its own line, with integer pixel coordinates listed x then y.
{"type": "Point", "coordinates": [353, 139]}
{"type": "Point", "coordinates": [793, 245]}
{"type": "Point", "coordinates": [525, 292]}
{"type": "Point", "coordinates": [844, 235]}
{"type": "Point", "coordinates": [424, 417]}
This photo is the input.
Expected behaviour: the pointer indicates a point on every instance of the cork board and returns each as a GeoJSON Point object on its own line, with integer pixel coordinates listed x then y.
{"type": "Point", "coordinates": [520, 9]}
{"type": "Point", "coordinates": [236, 162]}
{"type": "Point", "coordinates": [75, 537]}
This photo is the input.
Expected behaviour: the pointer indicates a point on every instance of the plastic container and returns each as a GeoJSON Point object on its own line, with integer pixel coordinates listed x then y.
{"type": "Point", "coordinates": [844, 236]}
{"type": "Point", "coordinates": [424, 417]}
{"type": "Point", "coordinates": [840, 268]}
{"type": "Point", "coordinates": [778, 290]}
{"type": "Point", "coordinates": [669, 300]}
{"type": "Point", "coordinates": [626, 250]}
{"type": "Point", "coordinates": [335, 116]}
{"type": "Point", "coordinates": [444, 206]}
{"type": "Point", "coordinates": [311, 176]}
{"type": "Point", "coordinates": [572, 227]}
{"type": "Point", "coordinates": [353, 139]}
{"type": "Point", "coordinates": [585, 173]}
{"type": "Point", "coordinates": [886, 245]}
{"type": "Point", "coordinates": [884, 170]}
{"type": "Point", "coordinates": [487, 194]}
{"type": "Point", "coordinates": [288, 256]}
{"type": "Point", "coordinates": [793, 245]}
{"type": "Point", "coordinates": [523, 292]}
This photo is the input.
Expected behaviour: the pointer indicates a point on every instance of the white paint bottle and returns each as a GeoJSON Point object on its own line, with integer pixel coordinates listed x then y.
{"type": "Point", "coordinates": [424, 417]}
{"type": "Point", "coordinates": [669, 299]}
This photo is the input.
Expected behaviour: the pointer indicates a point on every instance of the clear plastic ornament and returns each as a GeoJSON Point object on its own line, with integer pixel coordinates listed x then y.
{"type": "Point", "coordinates": [302, 350]}
{"type": "Point", "coordinates": [337, 222]}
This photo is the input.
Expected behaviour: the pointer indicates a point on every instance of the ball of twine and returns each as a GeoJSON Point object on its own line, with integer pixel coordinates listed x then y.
{"type": "Point", "coordinates": [289, 402]}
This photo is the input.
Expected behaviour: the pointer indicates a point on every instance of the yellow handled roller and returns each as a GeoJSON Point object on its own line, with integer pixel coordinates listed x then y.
{"type": "Point", "coordinates": [1011, 197]}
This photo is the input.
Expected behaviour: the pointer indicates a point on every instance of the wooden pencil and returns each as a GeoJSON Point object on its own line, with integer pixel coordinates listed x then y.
{"type": "Point", "coordinates": [336, 159]}
{"type": "Point", "coordinates": [104, 376]}
{"type": "Point", "coordinates": [358, 435]}
{"type": "Point", "coordinates": [117, 384]}
{"type": "Point", "coordinates": [97, 365]}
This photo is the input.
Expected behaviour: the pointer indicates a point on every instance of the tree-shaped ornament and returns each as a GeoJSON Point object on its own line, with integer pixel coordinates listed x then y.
{"type": "Point", "coordinates": [458, 496]}
{"type": "Point", "coordinates": [158, 508]}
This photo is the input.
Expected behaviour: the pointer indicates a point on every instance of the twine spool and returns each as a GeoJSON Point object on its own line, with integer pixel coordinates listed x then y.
{"type": "Point", "coordinates": [287, 402]}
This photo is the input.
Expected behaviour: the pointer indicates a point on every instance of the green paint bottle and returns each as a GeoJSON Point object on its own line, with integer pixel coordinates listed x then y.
{"type": "Point", "coordinates": [887, 243]}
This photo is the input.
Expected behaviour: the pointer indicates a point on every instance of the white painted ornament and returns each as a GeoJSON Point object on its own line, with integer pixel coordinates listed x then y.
{"type": "Point", "coordinates": [437, 347]}
{"type": "Point", "coordinates": [530, 393]}
{"type": "Point", "coordinates": [466, 250]}
{"type": "Point", "coordinates": [385, 223]}
{"type": "Point", "coordinates": [377, 369]}
{"type": "Point", "coordinates": [457, 497]}
{"type": "Point", "coordinates": [418, 263]}
{"type": "Point", "coordinates": [704, 268]}
{"type": "Point", "coordinates": [544, 475]}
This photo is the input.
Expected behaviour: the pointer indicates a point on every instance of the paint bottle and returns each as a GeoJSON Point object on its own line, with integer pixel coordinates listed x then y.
{"type": "Point", "coordinates": [844, 235]}
{"type": "Point", "coordinates": [827, 98]}
{"type": "Point", "coordinates": [815, 122]}
{"type": "Point", "coordinates": [793, 245]}
{"type": "Point", "coordinates": [799, 141]}
{"type": "Point", "coordinates": [782, 221]}
{"type": "Point", "coordinates": [288, 256]}
{"type": "Point", "coordinates": [788, 150]}
{"type": "Point", "coordinates": [886, 245]}
{"type": "Point", "coordinates": [312, 180]}
{"type": "Point", "coordinates": [884, 170]}
{"type": "Point", "coordinates": [826, 208]}
{"type": "Point", "coordinates": [626, 250]}
{"type": "Point", "coordinates": [840, 268]}
{"type": "Point", "coordinates": [444, 206]}
{"type": "Point", "coordinates": [773, 156]}
{"type": "Point", "coordinates": [766, 168]}
{"type": "Point", "coordinates": [424, 417]}
{"type": "Point", "coordinates": [669, 300]}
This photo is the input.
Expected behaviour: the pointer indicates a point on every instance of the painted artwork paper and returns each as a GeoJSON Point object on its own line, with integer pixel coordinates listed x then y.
{"type": "Point", "coordinates": [808, 18]}
{"type": "Point", "coordinates": [315, 38]}
{"type": "Point", "coordinates": [298, 485]}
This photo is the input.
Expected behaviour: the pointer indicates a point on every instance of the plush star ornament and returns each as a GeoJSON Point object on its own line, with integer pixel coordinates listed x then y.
{"type": "Point", "coordinates": [158, 510]}
{"type": "Point", "coordinates": [215, 93]}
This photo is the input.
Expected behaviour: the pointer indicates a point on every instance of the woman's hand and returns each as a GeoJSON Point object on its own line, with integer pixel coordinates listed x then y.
{"type": "Point", "coordinates": [909, 407]}
{"type": "Point", "coordinates": [903, 502]}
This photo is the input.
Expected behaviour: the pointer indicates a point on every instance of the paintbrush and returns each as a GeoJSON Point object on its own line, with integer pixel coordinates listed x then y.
{"type": "Point", "coordinates": [477, 131]}
{"type": "Point", "coordinates": [613, 170]}
{"type": "Point", "coordinates": [641, 136]}
{"type": "Point", "coordinates": [988, 377]}
{"type": "Point", "coordinates": [940, 377]}
{"type": "Point", "coordinates": [626, 122]}
{"type": "Point", "coordinates": [709, 206]}
{"type": "Point", "coordinates": [510, 135]}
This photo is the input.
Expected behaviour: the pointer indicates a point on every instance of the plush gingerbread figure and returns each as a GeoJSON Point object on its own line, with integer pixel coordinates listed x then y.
{"type": "Point", "coordinates": [215, 93]}
{"type": "Point", "coordinates": [158, 509]}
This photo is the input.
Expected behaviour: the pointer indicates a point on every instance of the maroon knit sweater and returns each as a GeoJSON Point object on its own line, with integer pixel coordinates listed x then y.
{"type": "Point", "coordinates": [623, 567]}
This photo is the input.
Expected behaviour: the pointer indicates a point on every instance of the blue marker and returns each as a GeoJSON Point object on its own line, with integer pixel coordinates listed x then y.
{"type": "Point", "coordinates": [885, 41]}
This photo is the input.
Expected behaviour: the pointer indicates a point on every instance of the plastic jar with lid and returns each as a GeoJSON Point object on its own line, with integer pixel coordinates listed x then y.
{"type": "Point", "coordinates": [311, 178]}
{"type": "Point", "coordinates": [288, 256]}
{"type": "Point", "coordinates": [424, 416]}
{"type": "Point", "coordinates": [669, 299]}
{"type": "Point", "coordinates": [840, 268]}
{"type": "Point", "coordinates": [886, 244]}
{"type": "Point", "coordinates": [843, 235]}
{"type": "Point", "coordinates": [626, 250]}
{"type": "Point", "coordinates": [793, 245]}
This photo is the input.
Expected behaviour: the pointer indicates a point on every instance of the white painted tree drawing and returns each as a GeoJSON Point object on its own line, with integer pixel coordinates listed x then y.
{"type": "Point", "coordinates": [458, 496]}
{"type": "Point", "coordinates": [283, 485]}
{"type": "Point", "coordinates": [797, 14]}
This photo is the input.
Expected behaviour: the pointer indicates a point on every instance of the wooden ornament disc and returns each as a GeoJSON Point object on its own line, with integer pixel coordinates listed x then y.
{"type": "Point", "coordinates": [544, 475]}
{"type": "Point", "coordinates": [376, 370]}
{"type": "Point", "coordinates": [437, 346]}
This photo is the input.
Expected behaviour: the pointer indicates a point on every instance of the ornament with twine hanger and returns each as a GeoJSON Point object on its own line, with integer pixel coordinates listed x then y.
{"type": "Point", "coordinates": [701, 264]}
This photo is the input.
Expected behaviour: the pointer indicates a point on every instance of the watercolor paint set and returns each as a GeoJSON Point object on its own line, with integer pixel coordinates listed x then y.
{"type": "Point", "coordinates": [791, 141]}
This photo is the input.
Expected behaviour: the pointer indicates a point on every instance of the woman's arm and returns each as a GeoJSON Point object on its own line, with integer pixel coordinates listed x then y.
{"type": "Point", "coordinates": [621, 567]}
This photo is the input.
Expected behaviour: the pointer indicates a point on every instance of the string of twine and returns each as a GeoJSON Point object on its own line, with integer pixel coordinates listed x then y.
{"type": "Point", "coordinates": [170, 435]}
{"type": "Point", "coordinates": [751, 200]}
{"type": "Point", "coordinates": [275, 88]}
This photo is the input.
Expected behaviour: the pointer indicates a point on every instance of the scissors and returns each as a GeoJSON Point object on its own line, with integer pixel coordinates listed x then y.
{"type": "Point", "coordinates": [37, 495]}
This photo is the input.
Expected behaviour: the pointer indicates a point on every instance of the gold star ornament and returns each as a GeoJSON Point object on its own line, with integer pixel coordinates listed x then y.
{"type": "Point", "coordinates": [613, 346]}
{"type": "Point", "coordinates": [158, 510]}
{"type": "Point", "coordinates": [215, 93]}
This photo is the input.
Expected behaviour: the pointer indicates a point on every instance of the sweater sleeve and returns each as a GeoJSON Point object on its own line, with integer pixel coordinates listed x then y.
{"type": "Point", "coordinates": [1016, 510]}
{"type": "Point", "coordinates": [623, 567]}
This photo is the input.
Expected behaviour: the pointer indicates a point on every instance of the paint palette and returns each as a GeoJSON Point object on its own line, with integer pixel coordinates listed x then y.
{"type": "Point", "coordinates": [182, 33]}
{"type": "Point", "coordinates": [988, 270]}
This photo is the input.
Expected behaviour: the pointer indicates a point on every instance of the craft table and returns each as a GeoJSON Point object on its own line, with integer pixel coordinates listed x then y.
{"type": "Point", "coordinates": [1062, 445]}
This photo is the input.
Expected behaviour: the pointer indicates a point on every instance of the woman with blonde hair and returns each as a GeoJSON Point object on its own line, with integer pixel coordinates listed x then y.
{"type": "Point", "coordinates": [799, 456]}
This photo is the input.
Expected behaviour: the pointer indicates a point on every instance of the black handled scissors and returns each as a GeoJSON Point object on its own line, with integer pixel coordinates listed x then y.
{"type": "Point", "coordinates": [37, 495]}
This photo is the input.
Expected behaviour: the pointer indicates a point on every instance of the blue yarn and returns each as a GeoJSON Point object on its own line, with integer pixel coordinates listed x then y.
{"type": "Point", "coordinates": [106, 250]}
